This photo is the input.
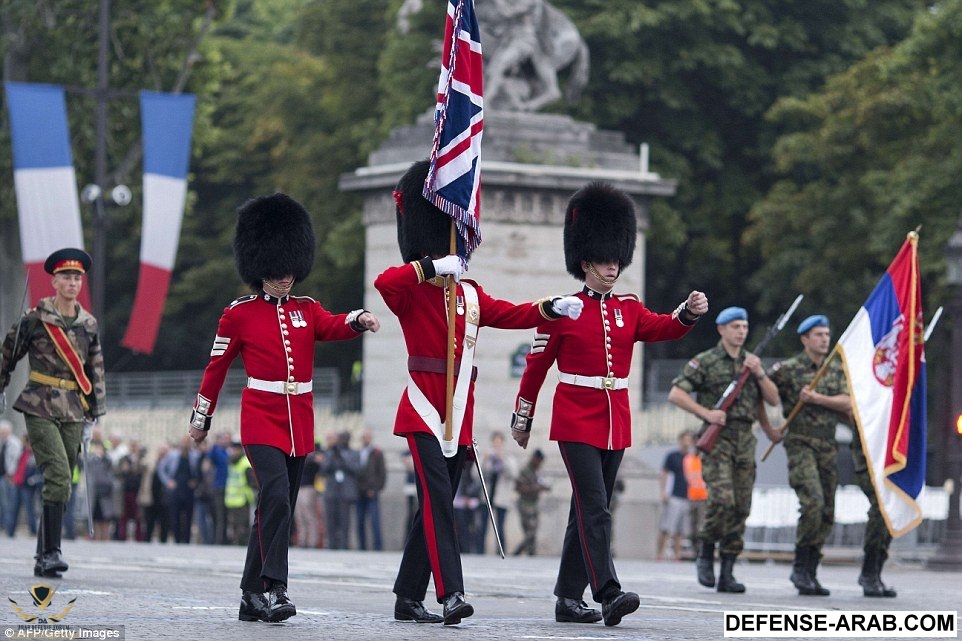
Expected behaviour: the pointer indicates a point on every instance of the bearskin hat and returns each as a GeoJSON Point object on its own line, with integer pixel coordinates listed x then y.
{"type": "Point", "coordinates": [274, 237]}
{"type": "Point", "coordinates": [600, 225]}
{"type": "Point", "coordinates": [422, 229]}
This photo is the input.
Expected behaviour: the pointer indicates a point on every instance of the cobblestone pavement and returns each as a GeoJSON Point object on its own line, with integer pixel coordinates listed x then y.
{"type": "Point", "coordinates": [191, 592]}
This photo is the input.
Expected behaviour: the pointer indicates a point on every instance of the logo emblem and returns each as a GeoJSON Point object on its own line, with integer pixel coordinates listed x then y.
{"type": "Point", "coordinates": [42, 596]}
{"type": "Point", "coordinates": [886, 360]}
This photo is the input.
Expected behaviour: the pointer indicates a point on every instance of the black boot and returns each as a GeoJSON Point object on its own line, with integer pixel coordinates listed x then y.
{"type": "Point", "coordinates": [574, 611]}
{"type": "Point", "coordinates": [801, 578]}
{"type": "Point", "coordinates": [50, 563]}
{"type": "Point", "coordinates": [871, 577]}
{"type": "Point", "coordinates": [886, 590]}
{"type": "Point", "coordinates": [279, 604]}
{"type": "Point", "coordinates": [814, 557]}
{"type": "Point", "coordinates": [705, 564]}
{"type": "Point", "coordinates": [456, 608]}
{"type": "Point", "coordinates": [410, 610]}
{"type": "Point", "coordinates": [253, 607]}
{"type": "Point", "coordinates": [726, 581]}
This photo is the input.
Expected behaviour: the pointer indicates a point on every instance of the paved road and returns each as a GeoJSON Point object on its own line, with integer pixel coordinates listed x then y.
{"type": "Point", "coordinates": [190, 592]}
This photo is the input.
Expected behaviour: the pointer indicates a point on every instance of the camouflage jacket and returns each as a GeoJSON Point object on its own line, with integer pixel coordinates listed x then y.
{"type": "Point", "coordinates": [708, 375]}
{"type": "Point", "coordinates": [790, 376]}
{"type": "Point", "coordinates": [33, 341]}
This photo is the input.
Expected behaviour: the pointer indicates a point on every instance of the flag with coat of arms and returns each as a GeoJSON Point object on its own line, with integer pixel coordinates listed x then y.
{"type": "Point", "coordinates": [884, 357]}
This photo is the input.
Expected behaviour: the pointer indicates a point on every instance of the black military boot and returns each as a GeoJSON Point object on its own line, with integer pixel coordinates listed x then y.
{"type": "Point", "coordinates": [410, 610]}
{"type": "Point", "coordinates": [801, 578]}
{"type": "Point", "coordinates": [279, 604]}
{"type": "Point", "coordinates": [50, 562]}
{"type": "Point", "coordinates": [887, 591]}
{"type": "Point", "coordinates": [705, 564]}
{"type": "Point", "coordinates": [574, 611]}
{"type": "Point", "coordinates": [726, 581]}
{"type": "Point", "coordinates": [871, 577]}
{"type": "Point", "coordinates": [814, 557]}
{"type": "Point", "coordinates": [253, 607]}
{"type": "Point", "coordinates": [456, 608]}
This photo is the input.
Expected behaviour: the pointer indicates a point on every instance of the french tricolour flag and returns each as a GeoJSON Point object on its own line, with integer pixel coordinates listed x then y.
{"type": "Point", "coordinates": [167, 122]}
{"type": "Point", "coordinates": [884, 358]}
{"type": "Point", "coordinates": [453, 183]}
{"type": "Point", "coordinates": [44, 179]}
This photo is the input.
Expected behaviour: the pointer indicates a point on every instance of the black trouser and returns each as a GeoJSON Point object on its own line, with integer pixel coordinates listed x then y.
{"type": "Point", "coordinates": [586, 552]}
{"type": "Point", "coordinates": [278, 480]}
{"type": "Point", "coordinates": [432, 546]}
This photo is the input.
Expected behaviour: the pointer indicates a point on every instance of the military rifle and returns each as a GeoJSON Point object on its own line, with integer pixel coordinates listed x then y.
{"type": "Point", "coordinates": [706, 442]}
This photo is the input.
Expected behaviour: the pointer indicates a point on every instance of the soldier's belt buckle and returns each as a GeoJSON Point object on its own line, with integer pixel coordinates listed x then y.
{"type": "Point", "coordinates": [608, 382]}
{"type": "Point", "coordinates": [290, 388]}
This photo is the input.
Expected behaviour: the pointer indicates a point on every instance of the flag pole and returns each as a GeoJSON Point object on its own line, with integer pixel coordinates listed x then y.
{"type": "Point", "coordinates": [798, 406]}
{"type": "Point", "coordinates": [452, 289]}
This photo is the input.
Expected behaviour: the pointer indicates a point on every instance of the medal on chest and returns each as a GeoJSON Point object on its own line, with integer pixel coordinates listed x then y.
{"type": "Point", "coordinates": [619, 321]}
{"type": "Point", "coordinates": [297, 319]}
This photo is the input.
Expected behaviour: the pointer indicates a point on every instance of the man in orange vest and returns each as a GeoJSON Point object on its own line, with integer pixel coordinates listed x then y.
{"type": "Point", "coordinates": [697, 491]}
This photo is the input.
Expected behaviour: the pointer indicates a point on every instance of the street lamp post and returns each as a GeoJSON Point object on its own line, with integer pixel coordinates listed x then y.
{"type": "Point", "coordinates": [948, 556]}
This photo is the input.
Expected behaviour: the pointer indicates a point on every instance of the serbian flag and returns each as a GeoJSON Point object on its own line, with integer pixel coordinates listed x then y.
{"type": "Point", "coordinates": [884, 358]}
{"type": "Point", "coordinates": [167, 122]}
{"type": "Point", "coordinates": [44, 180]}
{"type": "Point", "coordinates": [453, 183]}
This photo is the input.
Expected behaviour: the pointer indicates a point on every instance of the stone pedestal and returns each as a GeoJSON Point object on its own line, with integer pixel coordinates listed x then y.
{"type": "Point", "coordinates": [531, 164]}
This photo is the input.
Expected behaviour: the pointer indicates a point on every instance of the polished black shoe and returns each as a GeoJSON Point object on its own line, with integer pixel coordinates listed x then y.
{"type": "Point", "coordinates": [279, 604]}
{"type": "Point", "coordinates": [575, 611]}
{"type": "Point", "coordinates": [456, 608]}
{"type": "Point", "coordinates": [411, 610]}
{"type": "Point", "coordinates": [622, 604]}
{"type": "Point", "coordinates": [253, 607]}
{"type": "Point", "coordinates": [51, 574]}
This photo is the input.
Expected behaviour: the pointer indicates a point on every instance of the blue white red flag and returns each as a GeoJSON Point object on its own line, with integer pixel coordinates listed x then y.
{"type": "Point", "coordinates": [453, 183]}
{"type": "Point", "coordinates": [167, 122]}
{"type": "Point", "coordinates": [44, 180]}
{"type": "Point", "coordinates": [884, 357]}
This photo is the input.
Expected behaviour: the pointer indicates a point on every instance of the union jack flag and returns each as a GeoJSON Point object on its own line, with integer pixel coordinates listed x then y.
{"type": "Point", "coordinates": [453, 183]}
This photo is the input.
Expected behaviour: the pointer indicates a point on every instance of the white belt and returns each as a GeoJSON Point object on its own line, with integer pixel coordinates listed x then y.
{"type": "Point", "coordinates": [279, 387]}
{"type": "Point", "coordinates": [597, 382]}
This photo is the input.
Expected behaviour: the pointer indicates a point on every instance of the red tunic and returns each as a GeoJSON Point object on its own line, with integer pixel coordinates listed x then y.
{"type": "Point", "coordinates": [422, 312]}
{"type": "Point", "coordinates": [275, 338]}
{"type": "Point", "coordinates": [594, 345]}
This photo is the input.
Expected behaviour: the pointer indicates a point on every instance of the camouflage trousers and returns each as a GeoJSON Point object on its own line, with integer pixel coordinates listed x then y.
{"type": "Point", "coordinates": [877, 535]}
{"type": "Point", "coordinates": [55, 446]}
{"type": "Point", "coordinates": [529, 525]}
{"type": "Point", "coordinates": [729, 473]}
{"type": "Point", "coordinates": [813, 474]}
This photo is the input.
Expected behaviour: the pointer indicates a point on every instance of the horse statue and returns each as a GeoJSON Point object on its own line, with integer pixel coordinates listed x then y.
{"type": "Point", "coordinates": [525, 44]}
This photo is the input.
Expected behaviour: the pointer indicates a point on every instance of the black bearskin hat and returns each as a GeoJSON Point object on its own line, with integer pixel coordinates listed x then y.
{"type": "Point", "coordinates": [274, 237]}
{"type": "Point", "coordinates": [600, 225]}
{"type": "Point", "coordinates": [422, 229]}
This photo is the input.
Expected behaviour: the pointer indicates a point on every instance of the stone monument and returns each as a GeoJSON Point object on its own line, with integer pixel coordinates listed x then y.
{"type": "Point", "coordinates": [531, 164]}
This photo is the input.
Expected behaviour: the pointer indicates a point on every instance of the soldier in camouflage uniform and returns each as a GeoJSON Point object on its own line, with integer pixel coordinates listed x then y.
{"type": "Point", "coordinates": [529, 487]}
{"type": "Point", "coordinates": [65, 387]}
{"type": "Point", "coordinates": [810, 444]}
{"type": "Point", "coordinates": [877, 535]}
{"type": "Point", "coordinates": [729, 470]}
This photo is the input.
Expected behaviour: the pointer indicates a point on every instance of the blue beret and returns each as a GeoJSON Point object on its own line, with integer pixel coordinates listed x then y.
{"type": "Point", "coordinates": [729, 314]}
{"type": "Point", "coordinates": [818, 320]}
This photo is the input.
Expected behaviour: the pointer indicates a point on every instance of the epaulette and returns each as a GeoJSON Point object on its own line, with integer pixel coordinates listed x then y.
{"type": "Point", "coordinates": [628, 296]}
{"type": "Point", "coordinates": [307, 298]}
{"type": "Point", "coordinates": [243, 299]}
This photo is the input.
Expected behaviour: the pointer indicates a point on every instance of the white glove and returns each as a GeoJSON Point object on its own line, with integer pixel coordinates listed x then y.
{"type": "Point", "coordinates": [449, 266]}
{"type": "Point", "coordinates": [569, 306]}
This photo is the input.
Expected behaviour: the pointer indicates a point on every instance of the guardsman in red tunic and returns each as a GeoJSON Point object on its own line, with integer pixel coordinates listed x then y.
{"type": "Point", "coordinates": [591, 419]}
{"type": "Point", "coordinates": [274, 333]}
{"type": "Point", "coordinates": [417, 295]}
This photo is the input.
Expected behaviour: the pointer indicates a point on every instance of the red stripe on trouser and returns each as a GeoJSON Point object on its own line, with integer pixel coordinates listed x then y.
{"type": "Point", "coordinates": [427, 518]}
{"type": "Point", "coordinates": [582, 539]}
